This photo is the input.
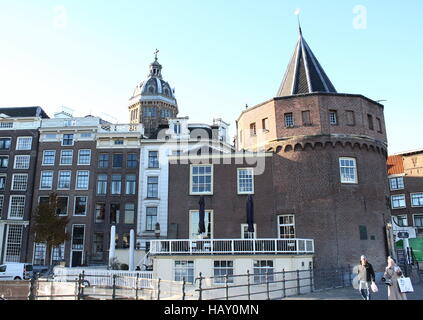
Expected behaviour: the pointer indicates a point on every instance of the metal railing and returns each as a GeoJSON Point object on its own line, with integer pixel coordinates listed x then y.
{"type": "Point", "coordinates": [232, 246]}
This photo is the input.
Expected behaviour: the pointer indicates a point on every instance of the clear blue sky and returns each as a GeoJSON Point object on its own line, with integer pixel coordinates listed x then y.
{"type": "Point", "coordinates": [219, 55]}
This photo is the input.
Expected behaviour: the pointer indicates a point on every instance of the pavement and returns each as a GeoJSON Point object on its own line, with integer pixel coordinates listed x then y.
{"type": "Point", "coordinates": [353, 294]}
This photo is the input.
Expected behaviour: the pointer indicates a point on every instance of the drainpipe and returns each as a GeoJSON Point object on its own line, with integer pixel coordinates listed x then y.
{"type": "Point", "coordinates": [112, 245]}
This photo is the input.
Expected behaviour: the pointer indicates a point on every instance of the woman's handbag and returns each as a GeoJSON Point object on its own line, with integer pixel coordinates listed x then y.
{"type": "Point", "coordinates": [374, 287]}
{"type": "Point", "coordinates": [405, 285]}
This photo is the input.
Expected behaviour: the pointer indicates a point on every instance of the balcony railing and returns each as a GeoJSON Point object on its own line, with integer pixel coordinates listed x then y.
{"type": "Point", "coordinates": [120, 128]}
{"type": "Point", "coordinates": [232, 246]}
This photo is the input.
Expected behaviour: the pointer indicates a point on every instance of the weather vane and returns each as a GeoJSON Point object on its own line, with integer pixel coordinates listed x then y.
{"type": "Point", "coordinates": [297, 13]}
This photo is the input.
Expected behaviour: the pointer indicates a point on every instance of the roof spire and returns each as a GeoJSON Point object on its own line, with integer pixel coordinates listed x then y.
{"type": "Point", "coordinates": [297, 13]}
{"type": "Point", "coordinates": [155, 54]}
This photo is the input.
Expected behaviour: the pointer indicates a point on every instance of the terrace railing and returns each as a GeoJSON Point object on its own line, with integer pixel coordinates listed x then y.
{"type": "Point", "coordinates": [232, 246]}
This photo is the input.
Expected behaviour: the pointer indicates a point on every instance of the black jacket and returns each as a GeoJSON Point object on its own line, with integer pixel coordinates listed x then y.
{"type": "Point", "coordinates": [369, 272]}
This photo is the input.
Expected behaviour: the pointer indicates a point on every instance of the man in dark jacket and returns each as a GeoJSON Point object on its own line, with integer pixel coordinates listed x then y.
{"type": "Point", "coordinates": [366, 275]}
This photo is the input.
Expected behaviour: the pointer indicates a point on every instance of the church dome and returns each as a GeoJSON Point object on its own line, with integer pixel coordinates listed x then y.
{"type": "Point", "coordinates": [154, 87]}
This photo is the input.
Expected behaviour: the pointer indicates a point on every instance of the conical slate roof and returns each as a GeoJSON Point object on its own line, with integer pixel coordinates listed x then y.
{"type": "Point", "coordinates": [304, 73]}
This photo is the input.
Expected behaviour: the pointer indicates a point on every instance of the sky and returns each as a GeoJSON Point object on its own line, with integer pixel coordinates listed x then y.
{"type": "Point", "coordinates": [218, 55]}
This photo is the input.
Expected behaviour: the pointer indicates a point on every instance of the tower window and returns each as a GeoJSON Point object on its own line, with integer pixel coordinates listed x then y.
{"type": "Point", "coordinates": [370, 119]}
{"type": "Point", "coordinates": [306, 118]}
{"type": "Point", "coordinates": [253, 130]}
{"type": "Point", "coordinates": [289, 120]}
{"type": "Point", "coordinates": [333, 117]}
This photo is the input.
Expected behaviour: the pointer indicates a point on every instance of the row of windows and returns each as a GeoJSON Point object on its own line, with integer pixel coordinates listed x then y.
{"type": "Point", "coordinates": [117, 160]}
{"type": "Point", "coordinates": [19, 182]}
{"type": "Point", "coordinates": [22, 143]}
{"type": "Point", "coordinates": [64, 180]}
{"type": "Point", "coordinates": [66, 157]}
{"type": "Point", "coordinates": [114, 213]}
{"type": "Point", "coordinates": [21, 162]}
{"type": "Point", "coordinates": [116, 184]}
{"type": "Point", "coordinates": [396, 183]}
{"type": "Point", "coordinates": [333, 119]}
{"type": "Point", "coordinates": [398, 200]}
{"type": "Point", "coordinates": [223, 271]}
{"type": "Point", "coordinates": [16, 207]}
{"type": "Point", "coordinates": [201, 177]}
{"type": "Point", "coordinates": [151, 112]}
{"type": "Point", "coordinates": [417, 220]}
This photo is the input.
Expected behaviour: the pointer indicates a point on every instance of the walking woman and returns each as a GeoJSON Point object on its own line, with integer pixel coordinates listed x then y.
{"type": "Point", "coordinates": [391, 276]}
{"type": "Point", "coordinates": [366, 276]}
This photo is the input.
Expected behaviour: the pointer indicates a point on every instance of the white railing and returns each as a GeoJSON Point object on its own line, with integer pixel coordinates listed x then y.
{"type": "Point", "coordinates": [122, 128]}
{"type": "Point", "coordinates": [232, 246]}
{"type": "Point", "coordinates": [104, 278]}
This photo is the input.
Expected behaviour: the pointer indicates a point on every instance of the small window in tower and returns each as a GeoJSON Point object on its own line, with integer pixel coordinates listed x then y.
{"type": "Point", "coordinates": [333, 117]}
{"type": "Point", "coordinates": [370, 119]}
{"type": "Point", "coordinates": [350, 118]}
{"type": "Point", "coordinates": [379, 125]}
{"type": "Point", "coordinates": [265, 125]}
{"type": "Point", "coordinates": [306, 118]}
{"type": "Point", "coordinates": [289, 120]}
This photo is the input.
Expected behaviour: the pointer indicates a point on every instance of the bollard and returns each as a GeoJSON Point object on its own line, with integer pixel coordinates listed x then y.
{"type": "Point", "coordinates": [82, 284]}
{"type": "Point", "coordinates": [226, 287]}
{"type": "Point", "coordinates": [114, 288]}
{"type": "Point", "coordinates": [32, 290]}
{"type": "Point", "coordinates": [248, 285]}
{"type": "Point", "coordinates": [200, 294]}
{"type": "Point", "coordinates": [79, 286]}
{"type": "Point", "coordinates": [298, 282]}
{"type": "Point", "coordinates": [136, 286]}
{"type": "Point", "coordinates": [183, 288]}
{"type": "Point", "coordinates": [311, 279]}
{"type": "Point", "coordinates": [283, 283]}
{"type": "Point", "coordinates": [158, 289]}
{"type": "Point", "coordinates": [267, 284]}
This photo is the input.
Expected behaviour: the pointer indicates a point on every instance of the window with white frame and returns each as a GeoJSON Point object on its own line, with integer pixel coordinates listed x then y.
{"type": "Point", "coordinates": [2, 182]}
{"type": "Point", "coordinates": [62, 206]}
{"type": "Point", "coordinates": [14, 243]}
{"type": "Point", "coordinates": [184, 270]}
{"type": "Point", "coordinates": [16, 207]}
{"type": "Point", "coordinates": [58, 254]}
{"type": "Point", "coordinates": [24, 143]}
{"type": "Point", "coordinates": [78, 235]}
{"type": "Point", "coordinates": [84, 157]}
{"type": "Point", "coordinates": [289, 120]}
{"type": "Point", "coordinates": [49, 157]}
{"type": "Point", "coordinates": [39, 258]}
{"type": "Point", "coordinates": [417, 199]}
{"type": "Point", "coordinates": [19, 182]}
{"type": "Point", "coordinates": [131, 184]}
{"type": "Point", "coordinates": [194, 224]}
{"type": "Point", "coordinates": [398, 201]}
{"type": "Point", "coordinates": [245, 181]}
{"type": "Point", "coordinates": [333, 117]}
{"type": "Point", "coordinates": [348, 170]}
{"type": "Point", "coordinates": [402, 220]}
{"type": "Point", "coordinates": [152, 187]}
{"type": "Point", "coordinates": [286, 227]}
{"type": "Point", "coordinates": [116, 184]}
{"type": "Point", "coordinates": [67, 140]}
{"type": "Point", "coordinates": [66, 157]}
{"type": "Point", "coordinates": [245, 234]}
{"type": "Point", "coordinates": [82, 180]}
{"type": "Point", "coordinates": [64, 180]}
{"type": "Point", "coordinates": [22, 162]}
{"type": "Point", "coordinates": [396, 183]}
{"type": "Point", "coordinates": [151, 218]}
{"type": "Point", "coordinates": [4, 162]}
{"type": "Point", "coordinates": [129, 216]}
{"type": "Point", "coordinates": [223, 269]}
{"type": "Point", "coordinates": [80, 206]}
{"type": "Point", "coordinates": [153, 159]}
{"type": "Point", "coordinates": [46, 180]}
{"type": "Point", "coordinates": [263, 271]}
{"type": "Point", "coordinates": [102, 184]}
{"type": "Point", "coordinates": [201, 179]}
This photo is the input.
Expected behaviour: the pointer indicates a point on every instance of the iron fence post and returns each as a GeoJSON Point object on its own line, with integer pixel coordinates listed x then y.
{"type": "Point", "coordinates": [267, 284]}
{"type": "Point", "coordinates": [343, 276]}
{"type": "Point", "coordinates": [200, 294]}
{"type": "Point", "coordinates": [350, 274]}
{"type": "Point", "coordinates": [136, 286]}
{"type": "Point", "coordinates": [114, 288]}
{"type": "Point", "coordinates": [311, 279]}
{"type": "Point", "coordinates": [82, 284]}
{"type": "Point", "coordinates": [79, 286]}
{"type": "Point", "coordinates": [298, 283]}
{"type": "Point", "coordinates": [248, 283]}
{"type": "Point", "coordinates": [226, 287]}
{"type": "Point", "coordinates": [183, 288]}
{"type": "Point", "coordinates": [283, 283]}
{"type": "Point", "coordinates": [158, 289]}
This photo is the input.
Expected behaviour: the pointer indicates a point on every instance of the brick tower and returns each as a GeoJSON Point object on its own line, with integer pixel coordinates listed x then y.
{"type": "Point", "coordinates": [329, 162]}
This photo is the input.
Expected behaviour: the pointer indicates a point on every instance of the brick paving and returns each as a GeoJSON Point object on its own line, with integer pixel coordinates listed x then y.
{"type": "Point", "coordinates": [353, 294]}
